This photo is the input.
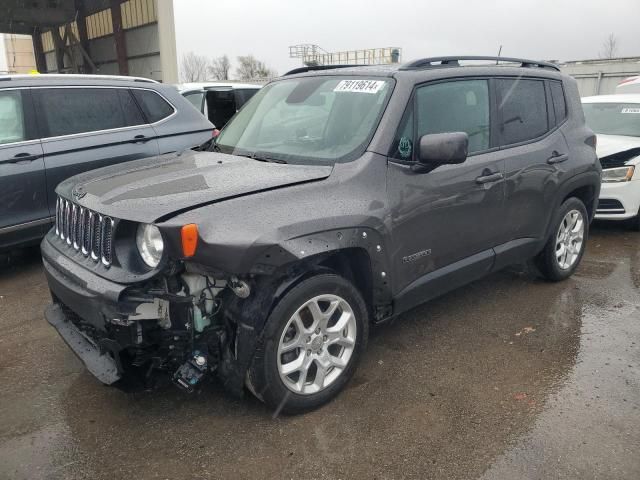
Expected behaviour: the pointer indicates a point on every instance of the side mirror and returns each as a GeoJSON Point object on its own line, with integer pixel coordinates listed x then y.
{"type": "Point", "coordinates": [443, 148]}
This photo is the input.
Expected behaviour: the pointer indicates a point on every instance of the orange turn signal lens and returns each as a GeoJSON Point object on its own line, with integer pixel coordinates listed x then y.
{"type": "Point", "coordinates": [189, 236]}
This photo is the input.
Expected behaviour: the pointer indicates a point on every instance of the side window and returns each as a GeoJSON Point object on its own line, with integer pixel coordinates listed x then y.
{"type": "Point", "coordinates": [155, 107]}
{"type": "Point", "coordinates": [457, 106]}
{"type": "Point", "coordinates": [559, 104]}
{"type": "Point", "coordinates": [132, 114]}
{"type": "Point", "coordinates": [523, 108]}
{"type": "Point", "coordinates": [65, 111]}
{"type": "Point", "coordinates": [12, 123]}
{"type": "Point", "coordinates": [195, 98]}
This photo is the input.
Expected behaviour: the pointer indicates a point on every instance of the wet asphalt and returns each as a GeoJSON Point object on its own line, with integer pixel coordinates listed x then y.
{"type": "Point", "coordinates": [507, 378]}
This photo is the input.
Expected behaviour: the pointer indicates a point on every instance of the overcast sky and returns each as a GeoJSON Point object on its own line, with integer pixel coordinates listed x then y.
{"type": "Point", "coordinates": [538, 29]}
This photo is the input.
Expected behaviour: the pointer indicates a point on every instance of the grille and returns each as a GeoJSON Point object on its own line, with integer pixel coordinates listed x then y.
{"type": "Point", "coordinates": [85, 231]}
{"type": "Point", "coordinates": [608, 205]}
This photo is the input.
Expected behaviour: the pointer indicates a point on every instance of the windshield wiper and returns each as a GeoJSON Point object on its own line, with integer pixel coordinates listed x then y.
{"type": "Point", "coordinates": [263, 157]}
{"type": "Point", "coordinates": [208, 146]}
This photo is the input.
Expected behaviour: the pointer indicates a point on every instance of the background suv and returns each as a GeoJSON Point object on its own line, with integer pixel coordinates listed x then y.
{"type": "Point", "coordinates": [334, 199]}
{"type": "Point", "coordinates": [55, 126]}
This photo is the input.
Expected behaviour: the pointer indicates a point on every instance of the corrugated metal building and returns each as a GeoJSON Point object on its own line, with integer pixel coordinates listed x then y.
{"type": "Point", "coordinates": [602, 76]}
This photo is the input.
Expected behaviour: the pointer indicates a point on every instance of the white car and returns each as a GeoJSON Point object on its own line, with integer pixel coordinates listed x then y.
{"type": "Point", "coordinates": [616, 121]}
{"type": "Point", "coordinates": [218, 101]}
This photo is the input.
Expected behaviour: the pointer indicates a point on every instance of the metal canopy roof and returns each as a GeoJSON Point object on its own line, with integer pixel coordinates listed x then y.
{"type": "Point", "coordinates": [23, 16]}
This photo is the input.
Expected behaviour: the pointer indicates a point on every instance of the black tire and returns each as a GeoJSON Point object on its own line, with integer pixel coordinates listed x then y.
{"type": "Point", "coordinates": [546, 260]}
{"type": "Point", "coordinates": [263, 376]}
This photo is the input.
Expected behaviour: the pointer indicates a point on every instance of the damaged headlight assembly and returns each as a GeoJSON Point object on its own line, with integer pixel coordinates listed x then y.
{"type": "Point", "coordinates": [150, 244]}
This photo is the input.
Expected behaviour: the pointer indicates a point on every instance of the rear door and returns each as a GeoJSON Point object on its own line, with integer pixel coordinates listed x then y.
{"type": "Point", "coordinates": [24, 213]}
{"type": "Point", "coordinates": [221, 106]}
{"type": "Point", "coordinates": [243, 95]}
{"type": "Point", "coordinates": [84, 128]}
{"type": "Point", "coordinates": [535, 152]}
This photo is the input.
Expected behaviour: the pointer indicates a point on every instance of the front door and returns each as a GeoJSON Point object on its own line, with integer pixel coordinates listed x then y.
{"type": "Point", "coordinates": [450, 217]}
{"type": "Point", "coordinates": [24, 214]}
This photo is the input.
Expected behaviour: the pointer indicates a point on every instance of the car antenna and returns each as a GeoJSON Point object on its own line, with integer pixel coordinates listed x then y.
{"type": "Point", "coordinates": [499, 52]}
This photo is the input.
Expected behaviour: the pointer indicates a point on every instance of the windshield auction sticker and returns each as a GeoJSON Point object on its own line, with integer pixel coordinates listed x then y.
{"type": "Point", "coordinates": [359, 86]}
{"type": "Point", "coordinates": [631, 110]}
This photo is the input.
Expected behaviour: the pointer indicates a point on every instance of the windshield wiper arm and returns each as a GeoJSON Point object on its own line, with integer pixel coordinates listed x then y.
{"type": "Point", "coordinates": [262, 157]}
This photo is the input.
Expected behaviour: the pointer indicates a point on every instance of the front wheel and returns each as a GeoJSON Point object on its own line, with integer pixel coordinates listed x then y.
{"type": "Point", "coordinates": [564, 248]}
{"type": "Point", "coordinates": [311, 345]}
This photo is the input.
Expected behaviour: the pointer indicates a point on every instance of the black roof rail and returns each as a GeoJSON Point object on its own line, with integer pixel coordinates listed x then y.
{"type": "Point", "coordinates": [319, 67]}
{"type": "Point", "coordinates": [455, 62]}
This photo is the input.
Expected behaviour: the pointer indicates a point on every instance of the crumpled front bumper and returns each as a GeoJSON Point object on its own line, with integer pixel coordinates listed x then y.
{"type": "Point", "coordinates": [101, 364]}
{"type": "Point", "coordinates": [81, 297]}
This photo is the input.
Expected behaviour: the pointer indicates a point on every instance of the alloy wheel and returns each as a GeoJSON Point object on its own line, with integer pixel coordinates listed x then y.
{"type": "Point", "coordinates": [317, 344]}
{"type": "Point", "coordinates": [569, 239]}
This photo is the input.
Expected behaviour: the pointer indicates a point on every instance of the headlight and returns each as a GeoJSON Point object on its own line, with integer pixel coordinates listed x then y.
{"type": "Point", "coordinates": [619, 174]}
{"type": "Point", "coordinates": [150, 244]}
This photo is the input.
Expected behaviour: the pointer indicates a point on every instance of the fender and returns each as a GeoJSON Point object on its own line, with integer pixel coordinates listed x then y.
{"type": "Point", "coordinates": [283, 266]}
{"type": "Point", "coordinates": [315, 247]}
{"type": "Point", "coordinates": [586, 179]}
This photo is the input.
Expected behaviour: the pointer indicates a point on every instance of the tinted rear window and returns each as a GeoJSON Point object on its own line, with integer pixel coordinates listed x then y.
{"type": "Point", "coordinates": [153, 105]}
{"type": "Point", "coordinates": [523, 108]}
{"type": "Point", "coordinates": [65, 111]}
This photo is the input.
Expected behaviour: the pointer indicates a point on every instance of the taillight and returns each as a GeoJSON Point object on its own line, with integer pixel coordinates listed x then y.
{"type": "Point", "coordinates": [592, 141]}
{"type": "Point", "coordinates": [215, 133]}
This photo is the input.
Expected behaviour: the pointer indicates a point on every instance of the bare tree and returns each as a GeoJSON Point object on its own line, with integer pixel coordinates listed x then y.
{"type": "Point", "coordinates": [609, 47]}
{"type": "Point", "coordinates": [251, 68]}
{"type": "Point", "coordinates": [220, 68]}
{"type": "Point", "coordinates": [193, 67]}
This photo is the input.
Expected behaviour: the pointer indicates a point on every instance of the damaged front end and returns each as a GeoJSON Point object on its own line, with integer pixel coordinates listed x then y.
{"type": "Point", "coordinates": [180, 325]}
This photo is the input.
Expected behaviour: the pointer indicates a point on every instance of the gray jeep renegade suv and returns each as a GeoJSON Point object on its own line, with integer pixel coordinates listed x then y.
{"type": "Point", "coordinates": [336, 198]}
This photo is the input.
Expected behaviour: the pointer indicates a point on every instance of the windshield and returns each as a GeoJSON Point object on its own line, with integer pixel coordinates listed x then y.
{"type": "Point", "coordinates": [308, 120]}
{"type": "Point", "coordinates": [613, 118]}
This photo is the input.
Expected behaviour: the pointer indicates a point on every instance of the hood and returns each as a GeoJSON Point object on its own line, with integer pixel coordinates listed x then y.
{"type": "Point", "coordinates": [611, 144]}
{"type": "Point", "coordinates": [157, 188]}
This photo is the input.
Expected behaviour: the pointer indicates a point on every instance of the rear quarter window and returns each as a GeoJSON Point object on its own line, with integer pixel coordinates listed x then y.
{"type": "Point", "coordinates": [155, 107]}
{"type": "Point", "coordinates": [522, 105]}
{"type": "Point", "coordinates": [559, 103]}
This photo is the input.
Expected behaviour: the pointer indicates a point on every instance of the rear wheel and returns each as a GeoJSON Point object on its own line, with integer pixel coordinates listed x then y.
{"type": "Point", "coordinates": [565, 247]}
{"type": "Point", "coordinates": [312, 342]}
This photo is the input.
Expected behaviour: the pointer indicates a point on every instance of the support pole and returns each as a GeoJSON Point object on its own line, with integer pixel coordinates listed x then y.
{"type": "Point", "coordinates": [38, 51]}
{"type": "Point", "coordinates": [81, 22]}
{"type": "Point", "coordinates": [118, 35]}
{"type": "Point", "coordinates": [167, 36]}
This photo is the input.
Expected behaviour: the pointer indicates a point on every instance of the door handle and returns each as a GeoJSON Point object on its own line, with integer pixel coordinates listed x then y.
{"type": "Point", "coordinates": [140, 139]}
{"type": "Point", "coordinates": [24, 157]}
{"type": "Point", "coordinates": [557, 157]}
{"type": "Point", "coordinates": [489, 177]}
